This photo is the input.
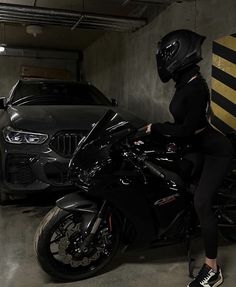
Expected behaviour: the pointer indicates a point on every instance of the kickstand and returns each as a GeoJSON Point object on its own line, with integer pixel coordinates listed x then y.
{"type": "Point", "coordinates": [190, 259]}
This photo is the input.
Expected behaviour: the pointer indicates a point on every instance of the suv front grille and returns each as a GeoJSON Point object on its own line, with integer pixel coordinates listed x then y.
{"type": "Point", "coordinates": [64, 143]}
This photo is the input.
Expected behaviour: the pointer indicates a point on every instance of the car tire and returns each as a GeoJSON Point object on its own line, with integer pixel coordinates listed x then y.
{"type": "Point", "coordinates": [4, 197]}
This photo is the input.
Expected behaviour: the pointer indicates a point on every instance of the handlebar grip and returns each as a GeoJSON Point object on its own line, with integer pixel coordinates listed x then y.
{"type": "Point", "coordinates": [142, 129]}
{"type": "Point", "coordinates": [164, 174]}
{"type": "Point", "coordinates": [153, 169]}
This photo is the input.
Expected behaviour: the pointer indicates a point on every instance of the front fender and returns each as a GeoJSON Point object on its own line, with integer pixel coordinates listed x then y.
{"type": "Point", "coordinates": [76, 202]}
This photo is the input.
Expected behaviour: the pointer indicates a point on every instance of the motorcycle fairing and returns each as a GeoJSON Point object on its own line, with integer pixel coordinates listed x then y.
{"type": "Point", "coordinates": [129, 194]}
{"type": "Point", "coordinates": [93, 152]}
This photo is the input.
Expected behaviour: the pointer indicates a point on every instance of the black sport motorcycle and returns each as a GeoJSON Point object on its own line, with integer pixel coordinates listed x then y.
{"type": "Point", "coordinates": [131, 193]}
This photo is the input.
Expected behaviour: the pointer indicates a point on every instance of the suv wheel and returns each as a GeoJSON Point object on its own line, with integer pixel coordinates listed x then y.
{"type": "Point", "coordinates": [4, 197]}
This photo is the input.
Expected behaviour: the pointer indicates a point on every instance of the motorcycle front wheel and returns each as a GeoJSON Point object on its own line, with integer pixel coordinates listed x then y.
{"type": "Point", "coordinates": [61, 250]}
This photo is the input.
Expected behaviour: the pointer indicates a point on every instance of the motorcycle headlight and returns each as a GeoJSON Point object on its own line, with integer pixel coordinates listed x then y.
{"type": "Point", "coordinates": [21, 137]}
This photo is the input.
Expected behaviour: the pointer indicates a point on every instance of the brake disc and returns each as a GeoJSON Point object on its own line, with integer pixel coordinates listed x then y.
{"type": "Point", "coordinates": [85, 261]}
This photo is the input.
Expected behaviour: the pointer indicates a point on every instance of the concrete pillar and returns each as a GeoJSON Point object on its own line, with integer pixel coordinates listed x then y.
{"type": "Point", "coordinates": [123, 65]}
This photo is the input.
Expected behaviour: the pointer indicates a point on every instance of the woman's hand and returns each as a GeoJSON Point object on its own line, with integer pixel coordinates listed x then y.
{"type": "Point", "coordinates": [148, 129]}
{"type": "Point", "coordinates": [142, 132]}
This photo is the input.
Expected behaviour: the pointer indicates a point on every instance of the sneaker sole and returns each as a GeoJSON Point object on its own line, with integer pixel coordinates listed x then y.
{"type": "Point", "coordinates": [218, 283]}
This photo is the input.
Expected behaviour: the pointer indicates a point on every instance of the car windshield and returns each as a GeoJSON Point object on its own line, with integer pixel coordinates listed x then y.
{"type": "Point", "coordinates": [42, 93]}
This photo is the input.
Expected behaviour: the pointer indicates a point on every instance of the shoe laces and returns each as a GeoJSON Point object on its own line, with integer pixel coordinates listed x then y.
{"type": "Point", "coordinates": [204, 274]}
{"type": "Point", "coordinates": [205, 279]}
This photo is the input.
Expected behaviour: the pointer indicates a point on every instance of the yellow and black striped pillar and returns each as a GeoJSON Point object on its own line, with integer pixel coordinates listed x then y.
{"type": "Point", "coordinates": [224, 84]}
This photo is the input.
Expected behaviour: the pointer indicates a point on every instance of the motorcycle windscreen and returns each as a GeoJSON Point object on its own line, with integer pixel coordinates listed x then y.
{"type": "Point", "coordinates": [94, 150]}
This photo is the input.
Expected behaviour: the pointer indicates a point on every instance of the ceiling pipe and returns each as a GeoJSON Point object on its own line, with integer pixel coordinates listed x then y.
{"type": "Point", "coordinates": [41, 53]}
{"type": "Point", "coordinates": [77, 23]}
{"type": "Point", "coordinates": [14, 15]}
{"type": "Point", "coordinates": [59, 17]}
{"type": "Point", "coordinates": [19, 14]}
{"type": "Point", "coordinates": [151, 2]}
{"type": "Point", "coordinates": [86, 24]}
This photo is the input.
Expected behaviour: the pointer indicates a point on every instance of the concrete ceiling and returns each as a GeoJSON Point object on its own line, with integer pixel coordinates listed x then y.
{"type": "Point", "coordinates": [114, 7]}
{"type": "Point", "coordinates": [54, 37]}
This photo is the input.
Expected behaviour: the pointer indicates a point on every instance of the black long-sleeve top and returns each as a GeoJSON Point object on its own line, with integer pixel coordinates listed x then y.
{"type": "Point", "coordinates": [188, 106]}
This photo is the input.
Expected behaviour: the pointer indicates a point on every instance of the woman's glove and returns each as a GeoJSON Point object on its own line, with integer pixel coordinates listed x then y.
{"type": "Point", "coordinates": [148, 128]}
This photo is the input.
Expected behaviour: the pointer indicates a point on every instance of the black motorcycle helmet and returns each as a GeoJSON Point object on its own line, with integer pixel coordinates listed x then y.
{"type": "Point", "coordinates": [176, 51]}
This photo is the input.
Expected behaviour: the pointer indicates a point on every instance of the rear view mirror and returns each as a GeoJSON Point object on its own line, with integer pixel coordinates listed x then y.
{"type": "Point", "coordinates": [2, 103]}
{"type": "Point", "coordinates": [114, 102]}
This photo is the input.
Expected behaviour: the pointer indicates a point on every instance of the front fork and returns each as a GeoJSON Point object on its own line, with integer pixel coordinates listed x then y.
{"type": "Point", "coordinates": [94, 225]}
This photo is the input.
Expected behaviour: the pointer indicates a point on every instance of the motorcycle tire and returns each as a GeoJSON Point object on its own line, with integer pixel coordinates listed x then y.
{"type": "Point", "coordinates": [73, 269]}
{"type": "Point", "coordinates": [4, 198]}
{"type": "Point", "coordinates": [229, 233]}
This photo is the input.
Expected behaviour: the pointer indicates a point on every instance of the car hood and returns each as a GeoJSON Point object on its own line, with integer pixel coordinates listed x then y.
{"type": "Point", "coordinates": [55, 118]}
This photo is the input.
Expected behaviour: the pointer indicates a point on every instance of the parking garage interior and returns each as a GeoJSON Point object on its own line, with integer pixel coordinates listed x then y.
{"type": "Point", "coordinates": [110, 45]}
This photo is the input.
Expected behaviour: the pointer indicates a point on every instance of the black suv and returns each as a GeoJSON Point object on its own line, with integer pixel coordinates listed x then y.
{"type": "Point", "coordinates": [41, 123]}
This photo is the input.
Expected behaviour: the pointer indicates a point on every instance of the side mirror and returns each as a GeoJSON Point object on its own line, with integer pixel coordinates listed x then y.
{"type": "Point", "coordinates": [114, 102]}
{"type": "Point", "coordinates": [2, 103]}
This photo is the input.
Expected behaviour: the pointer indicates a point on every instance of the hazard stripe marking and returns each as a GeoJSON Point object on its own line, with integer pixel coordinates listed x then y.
{"type": "Point", "coordinates": [224, 103]}
{"type": "Point", "coordinates": [228, 42]}
{"type": "Point", "coordinates": [224, 77]}
{"type": "Point", "coordinates": [219, 124]}
{"type": "Point", "coordinates": [224, 90]}
{"type": "Point", "coordinates": [224, 52]}
{"type": "Point", "coordinates": [223, 115]}
{"type": "Point", "coordinates": [224, 65]}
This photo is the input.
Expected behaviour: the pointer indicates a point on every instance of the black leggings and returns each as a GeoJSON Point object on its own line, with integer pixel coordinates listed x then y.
{"type": "Point", "coordinates": [218, 153]}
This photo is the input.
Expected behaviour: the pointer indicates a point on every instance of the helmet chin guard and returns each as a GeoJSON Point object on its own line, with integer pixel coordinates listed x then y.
{"type": "Point", "coordinates": [176, 51]}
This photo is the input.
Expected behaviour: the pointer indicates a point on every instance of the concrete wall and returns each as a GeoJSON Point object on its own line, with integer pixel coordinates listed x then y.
{"type": "Point", "coordinates": [10, 67]}
{"type": "Point", "coordinates": [123, 65]}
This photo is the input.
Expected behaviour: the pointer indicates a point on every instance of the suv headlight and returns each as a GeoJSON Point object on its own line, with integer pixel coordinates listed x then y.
{"type": "Point", "coordinates": [21, 137]}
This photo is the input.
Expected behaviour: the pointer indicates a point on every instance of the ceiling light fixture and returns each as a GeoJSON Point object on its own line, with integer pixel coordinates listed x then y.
{"type": "Point", "coordinates": [2, 49]}
{"type": "Point", "coordinates": [34, 30]}
{"type": "Point", "coordinates": [2, 41]}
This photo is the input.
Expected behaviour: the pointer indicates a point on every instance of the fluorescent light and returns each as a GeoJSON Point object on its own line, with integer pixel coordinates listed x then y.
{"type": "Point", "coordinates": [2, 49]}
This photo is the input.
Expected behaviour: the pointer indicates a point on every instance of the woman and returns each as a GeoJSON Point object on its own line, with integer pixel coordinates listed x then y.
{"type": "Point", "coordinates": [177, 56]}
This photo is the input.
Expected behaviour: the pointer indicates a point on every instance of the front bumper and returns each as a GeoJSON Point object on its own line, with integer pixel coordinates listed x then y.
{"type": "Point", "coordinates": [27, 168]}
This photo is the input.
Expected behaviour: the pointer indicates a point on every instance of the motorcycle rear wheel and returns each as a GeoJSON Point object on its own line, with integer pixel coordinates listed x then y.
{"type": "Point", "coordinates": [229, 233]}
{"type": "Point", "coordinates": [72, 266]}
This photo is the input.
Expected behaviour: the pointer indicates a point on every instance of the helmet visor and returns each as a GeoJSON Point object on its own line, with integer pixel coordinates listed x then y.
{"type": "Point", "coordinates": [164, 57]}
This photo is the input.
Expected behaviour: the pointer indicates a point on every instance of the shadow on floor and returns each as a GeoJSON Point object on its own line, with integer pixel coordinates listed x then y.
{"type": "Point", "coordinates": [34, 207]}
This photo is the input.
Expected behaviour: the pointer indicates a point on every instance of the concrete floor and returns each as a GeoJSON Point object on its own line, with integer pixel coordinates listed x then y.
{"type": "Point", "coordinates": [153, 268]}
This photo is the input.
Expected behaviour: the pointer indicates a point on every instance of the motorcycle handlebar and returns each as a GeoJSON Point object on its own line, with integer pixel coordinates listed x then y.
{"type": "Point", "coordinates": [141, 132]}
